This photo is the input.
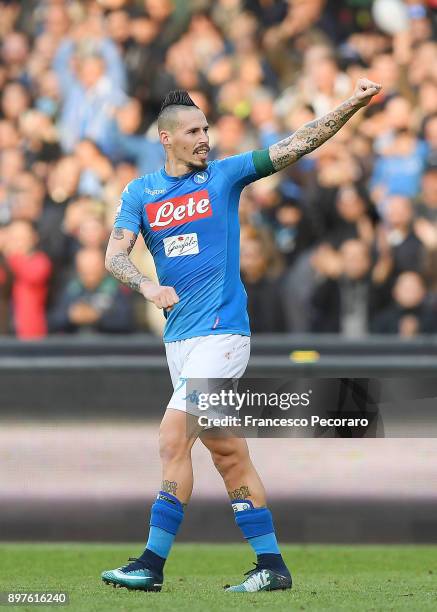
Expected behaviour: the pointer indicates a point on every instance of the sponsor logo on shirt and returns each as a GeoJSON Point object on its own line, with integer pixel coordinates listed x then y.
{"type": "Point", "coordinates": [201, 177]}
{"type": "Point", "coordinates": [154, 191]}
{"type": "Point", "coordinates": [180, 210]}
{"type": "Point", "coordinates": [184, 244]}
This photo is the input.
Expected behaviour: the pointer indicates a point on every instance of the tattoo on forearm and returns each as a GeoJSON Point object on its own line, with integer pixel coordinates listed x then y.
{"type": "Point", "coordinates": [330, 124]}
{"type": "Point", "coordinates": [241, 493]}
{"type": "Point", "coordinates": [131, 244]}
{"type": "Point", "coordinates": [311, 135]}
{"type": "Point", "coordinates": [169, 486]}
{"type": "Point", "coordinates": [124, 270]}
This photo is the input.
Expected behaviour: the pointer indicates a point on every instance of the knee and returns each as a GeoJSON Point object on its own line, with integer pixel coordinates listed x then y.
{"type": "Point", "coordinates": [228, 462]}
{"type": "Point", "coordinates": [173, 445]}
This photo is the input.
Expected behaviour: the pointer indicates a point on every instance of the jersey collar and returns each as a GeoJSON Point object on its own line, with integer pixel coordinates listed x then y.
{"type": "Point", "coordinates": [175, 179]}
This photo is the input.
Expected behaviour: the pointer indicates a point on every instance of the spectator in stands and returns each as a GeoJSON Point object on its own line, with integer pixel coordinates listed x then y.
{"type": "Point", "coordinates": [92, 233]}
{"type": "Point", "coordinates": [15, 53]}
{"type": "Point", "coordinates": [292, 229]}
{"type": "Point", "coordinates": [407, 250]}
{"type": "Point", "coordinates": [9, 135]}
{"type": "Point", "coordinates": [92, 301]}
{"type": "Point", "coordinates": [426, 207]}
{"type": "Point", "coordinates": [311, 268]}
{"type": "Point", "coordinates": [40, 141]}
{"type": "Point", "coordinates": [90, 93]}
{"type": "Point", "coordinates": [354, 211]}
{"type": "Point", "coordinates": [263, 293]}
{"type": "Point", "coordinates": [334, 168]}
{"type": "Point", "coordinates": [132, 145]}
{"type": "Point", "coordinates": [30, 269]}
{"type": "Point", "coordinates": [95, 169]}
{"type": "Point", "coordinates": [430, 130]}
{"type": "Point", "coordinates": [410, 314]}
{"type": "Point", "coordinates": [230, 137]}
{"type": "Point", "coordinates": [346, 304]}
{"type": "Point", "coordinates": [28, 203]}
{"type": "Point", "coordinates": [5, 286]}
{"type": "Point", "coordinates": [82, 82]}
{"type": "Point", "coordinates": [15, 100]}
{"type": "Point", "coordinates": [399, 167]}
{"type": "Point", "coordinates": [63, 180]}
{"type": "Point", "coordinates": [12, 163]}
{"type": "Point", "coordinates": [144, 49]}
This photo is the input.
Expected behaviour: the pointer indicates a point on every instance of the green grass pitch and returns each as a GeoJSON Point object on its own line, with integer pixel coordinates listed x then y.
{"type": "Point", "coordinates": [325, 577]}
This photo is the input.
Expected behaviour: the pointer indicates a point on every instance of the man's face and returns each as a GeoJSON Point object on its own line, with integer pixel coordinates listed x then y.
{"type": "Point", "coordinates": [90, 268]}
{"type": "Point", "coordinates": [399, 212]}
{"type": "Point", "coordinates": [91, 70]}
{"type": "Point", "coordinates": [188, 141]}
{"type": "Point", "coordinates": [409, 290]}
{"type": "Point", "coordinates": [355, 258]}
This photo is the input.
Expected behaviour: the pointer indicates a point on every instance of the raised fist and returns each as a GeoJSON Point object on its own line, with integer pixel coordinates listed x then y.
{"type": "Point", "coordinates": [365, 90]}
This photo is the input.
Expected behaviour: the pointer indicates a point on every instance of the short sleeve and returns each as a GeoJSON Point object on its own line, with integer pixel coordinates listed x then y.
{"type": "Point", "coordinates": [239, 169]}
{"type": "Point", "coordinates": [130, 209]}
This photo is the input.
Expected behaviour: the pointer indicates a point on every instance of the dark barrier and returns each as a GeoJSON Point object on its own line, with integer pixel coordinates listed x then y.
{"type": "Point", "coordinates": [90, 376]}
{"type": "Point", "coordinates": [262, 344]}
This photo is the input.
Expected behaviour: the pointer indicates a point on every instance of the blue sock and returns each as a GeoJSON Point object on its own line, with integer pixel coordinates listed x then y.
{"type": "Point", "coordinates": [258, 529]}
{"type": "Point", "coordinates": [165, 518]}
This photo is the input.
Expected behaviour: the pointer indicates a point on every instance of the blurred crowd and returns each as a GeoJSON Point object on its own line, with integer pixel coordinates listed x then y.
{"type": "Point", "coordinates": [344, 241]}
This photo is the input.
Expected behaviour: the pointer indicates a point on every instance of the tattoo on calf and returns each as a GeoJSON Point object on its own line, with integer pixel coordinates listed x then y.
{"type": "Point", "coordinates": [169, 486]}
{"type": "Point", "coordinates": [241, 493]}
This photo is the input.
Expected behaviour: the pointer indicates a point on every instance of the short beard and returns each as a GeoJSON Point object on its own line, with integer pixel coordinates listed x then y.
{"type": "Point", "coordinates": [193, 167]}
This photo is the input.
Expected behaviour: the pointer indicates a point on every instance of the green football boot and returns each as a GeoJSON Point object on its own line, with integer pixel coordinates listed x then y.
{"type": "Point", "coordinates": [133, 576]}
{"type": "Point", "coordinates": [262, 580]}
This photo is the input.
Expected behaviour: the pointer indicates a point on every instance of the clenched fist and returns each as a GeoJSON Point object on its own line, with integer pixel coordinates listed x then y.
{"type": "Point", "coordinates": [365, 90]}
{"type": "Point", "coordinates": [162, 297]}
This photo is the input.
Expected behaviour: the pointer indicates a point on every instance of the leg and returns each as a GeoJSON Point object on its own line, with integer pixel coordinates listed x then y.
{"type": "Point", "coordinates": [177, 434]}
{"type": "Point", "coordinates": [231, 458]}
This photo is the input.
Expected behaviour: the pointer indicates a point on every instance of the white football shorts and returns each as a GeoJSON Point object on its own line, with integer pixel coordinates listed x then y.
{"type": "Point", "coordinates": [221, 356]}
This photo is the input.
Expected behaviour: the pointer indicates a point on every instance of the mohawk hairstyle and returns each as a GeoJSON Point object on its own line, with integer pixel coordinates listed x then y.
{"type": "Point", "coordinates": [173, 101]}
{"type": "Point", "coordinates": [178, 97]}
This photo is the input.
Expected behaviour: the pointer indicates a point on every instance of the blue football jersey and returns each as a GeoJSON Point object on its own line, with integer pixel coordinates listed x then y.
{"type": "Point", "coordinates": [190, 225]}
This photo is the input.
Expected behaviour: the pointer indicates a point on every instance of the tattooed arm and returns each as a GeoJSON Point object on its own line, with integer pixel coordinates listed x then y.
{"type": "Point", "coordinates": [313, 134]}
{"type": "Point", "coordinates": [118, 262]}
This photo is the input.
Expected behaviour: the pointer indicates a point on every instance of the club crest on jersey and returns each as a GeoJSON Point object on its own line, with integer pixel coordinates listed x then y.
{"type": "Point", "coordinates": [201, 177]}
{"type": "Point", "coordinates": [179, 210]}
